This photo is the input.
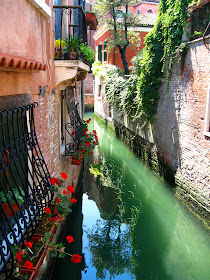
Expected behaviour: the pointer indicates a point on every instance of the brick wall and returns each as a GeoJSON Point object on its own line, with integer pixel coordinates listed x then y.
{"type": "Point", "coordinates": [88, 83]}
{"type": "Point", "coordinates": [177, 135]}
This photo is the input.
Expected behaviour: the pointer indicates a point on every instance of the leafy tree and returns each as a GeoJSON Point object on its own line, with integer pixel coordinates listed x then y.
{"type": "Point", "coordinates": [116, 14]}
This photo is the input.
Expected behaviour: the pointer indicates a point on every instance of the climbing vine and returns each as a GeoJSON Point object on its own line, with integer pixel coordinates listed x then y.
{"type": "Point", "coordinates": [138, 93]}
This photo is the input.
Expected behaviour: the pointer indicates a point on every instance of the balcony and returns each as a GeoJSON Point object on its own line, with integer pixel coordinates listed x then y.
{"type": "Point", "coordinates": [71, 33]}
{"type": "Point", "coordinates": [24, 182]}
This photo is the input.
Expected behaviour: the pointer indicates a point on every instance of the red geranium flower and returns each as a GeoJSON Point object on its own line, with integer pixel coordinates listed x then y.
{"type": "Point", "coordinates": [65, 192]}
{"type": "Point", "coordinates": [56, 181]}
{"type": "Point", "coordinates": [88, 143]}
{"type": "Point", "coordinates": [28, 244]}
{"type": "Point", "coordinates": [19, 256]}
{"type": "Point", "coordinates": [76, 258]}
{"type": "Point", "coordinates": [83, 150]}
{"type": "Point", "coordinates": [64, 175]}
{"type": "Point", "coordinates": [70, 239]}
{"type": "Point", "coordinates": [57, 200]}
{"type": "Point", "coordinates": [47, 210]}
{"type": "Point", "coordinates": [70, 189]}
{"type": "Point", "coordinates": [85, 132]}
{"type": "Point", "coordinates": [55, 212]}
{"type": "Point", "coordinates": [86, 129]}
{"type": "Point", "coordinates": [91, 153]}
{"type": "Point", "coordinates": [28, 264]}
{"type": "Point", "coordinates": [73, 133]}
{"type": "Point", "coordinates": [94, 131]}
{"type": "Point", "coordinates": [88, 121]}
{"type": "Point", "coordinates": [94, 142]}
{"type": "Point", "coordinates": [55, 219]}
{"type": "Point", "coordinates": [73, 200]}
{"type": "Point", "coordinates": [81, 145]}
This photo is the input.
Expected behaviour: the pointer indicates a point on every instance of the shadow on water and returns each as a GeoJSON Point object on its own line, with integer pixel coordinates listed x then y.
{"type": "Point", "coordinates": [131, 226]}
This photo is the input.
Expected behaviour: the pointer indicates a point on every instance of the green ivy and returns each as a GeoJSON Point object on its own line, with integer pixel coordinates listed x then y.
{"type": "Point", "coordinates": [138, 93]}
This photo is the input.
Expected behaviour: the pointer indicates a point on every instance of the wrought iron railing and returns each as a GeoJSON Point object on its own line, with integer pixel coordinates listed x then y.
{"type": "Point", "coordinates": [69, 23]}
{"type": "Point", "coordinates": [74, 123]}
{"type": "Point", "coordinates": [24, 182]}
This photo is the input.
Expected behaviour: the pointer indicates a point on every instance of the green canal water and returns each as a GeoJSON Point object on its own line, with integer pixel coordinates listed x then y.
{"type": "Point", "coordinates": [127, 224]}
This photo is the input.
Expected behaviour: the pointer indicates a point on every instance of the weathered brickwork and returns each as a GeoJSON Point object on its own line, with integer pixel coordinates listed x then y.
{"type": "Point", "coordinates": [179, 149]}
{"type": "Point", "coordinates": [88, 82]}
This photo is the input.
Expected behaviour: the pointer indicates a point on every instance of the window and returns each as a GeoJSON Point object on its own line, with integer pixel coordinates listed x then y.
{"type": "Point", "coordinates": [100, 53]}
{"type": "Point", "coordinates": [207, 118]}
{"type": "Point", "coordinates": [70, 121]}
{"type": "Point", "coordinates": [99, 90]}
{"type": "Point", "coordinates": [105, 50]}
{"type": "Point", "coordinates": [150, 11]}
{"type": "Point", "coordinates": [138, 12]}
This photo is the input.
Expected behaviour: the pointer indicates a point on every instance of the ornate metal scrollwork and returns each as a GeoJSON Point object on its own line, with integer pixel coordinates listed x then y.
{"type": "Point", "coordinates": [24, 181]}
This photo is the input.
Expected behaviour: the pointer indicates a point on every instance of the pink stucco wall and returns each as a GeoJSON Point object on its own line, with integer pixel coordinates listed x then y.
{"type": "Point", "coordinates": [26, 33]}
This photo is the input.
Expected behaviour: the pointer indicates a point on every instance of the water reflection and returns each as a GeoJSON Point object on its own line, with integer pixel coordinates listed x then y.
{"type": "Point", "coordinates": [133, 227]}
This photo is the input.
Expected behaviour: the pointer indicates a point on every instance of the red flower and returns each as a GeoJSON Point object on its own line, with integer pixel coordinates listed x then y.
{"type": "Point", "coordinates": [94, 131]}
{"type": "Point", "coordinates": [56, 181]}
{"type": "Point", "coordinates": [83, 150]}
{"type": "Point", "coordinates": [86, 129]}
{"type": "Point", "coordinates": [88, 143]}
{"type": "Point", "coordinates": [88, 121]}
{"type": "Point", "coordinates": [94, 142]}
{"type": "Point", "coordinates": [28, 264]}
{"type": "Point", "coordinates": [19, 256]}
{"type": "Point", "coordinates": [76, 258]}
{"type": "Point", "coordinates": [87, 136]}
{"type": "Point", "coordinates": [47, 210]}
{"type": "Point", "coordinates": [64, 176]}
{"type": "Point", "coordinates": [73, 133]}
{"type": "Point", "coordinates": [65, 192]}
{"type": "Point", "coordinates": [70, 189]}
{"type": "Point", "coordinates": [85, 132]}
{"type": "Point", "coordinates": [91, 153]}
{"type": "Point", "coordinates": [90, 133]}
{"type": "Point", "coordinates": [28, 244]}
{"type": "Point", "coordinates": [81, 145]}
{"type": "Point", "coordinates": [55, 212]}
{"type": "Point", "coordinates": [70, 239]}
{"type": "Point", "coordinates": [55, 219]}
{"type": "Point", "coordinates": [57, 200]}
{"type": "Point", "coordinates": [73, 200]}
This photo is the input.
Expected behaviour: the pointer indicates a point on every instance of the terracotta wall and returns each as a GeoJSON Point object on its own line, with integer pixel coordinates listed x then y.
{"type": "Point", "coordinates": [27, 34]}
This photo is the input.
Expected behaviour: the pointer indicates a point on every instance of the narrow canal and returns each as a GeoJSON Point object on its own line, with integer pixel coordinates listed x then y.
{"type": "Point", "coordinates": [127, 224]}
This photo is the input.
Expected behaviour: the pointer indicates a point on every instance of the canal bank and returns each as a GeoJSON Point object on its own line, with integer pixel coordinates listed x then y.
{"type": "Point", "coordinates": [193, 198]}
{"type": "Point", "coordinates": [132, 225]}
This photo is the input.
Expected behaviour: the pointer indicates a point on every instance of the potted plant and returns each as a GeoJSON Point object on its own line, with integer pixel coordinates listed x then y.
{"type": "Point", "coordinates": [88, 52]}
{"type": "Point", "coordinates": [71, 48]}
{"type": "Point", "coordinates": [59, 45]}
{"type": "Point", "coordinates": [19, 195]}
{"type": "Point", "coordinates": [87, 144]}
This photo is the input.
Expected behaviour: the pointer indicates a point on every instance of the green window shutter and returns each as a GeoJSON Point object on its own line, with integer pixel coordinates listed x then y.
{"type": "Point", "coordinates": [105, 51]}
{"type": "Point", "coordinates": [100, 53]}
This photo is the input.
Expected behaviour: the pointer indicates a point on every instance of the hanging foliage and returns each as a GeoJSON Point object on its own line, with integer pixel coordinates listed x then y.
{"type": "Point", "coordinates": [139, 94]}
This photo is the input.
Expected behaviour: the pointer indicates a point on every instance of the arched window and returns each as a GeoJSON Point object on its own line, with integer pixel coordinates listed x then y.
{"type": "Point", "coordinates": [150, 11]}
{"type": "Point", "coordinates": [138, 12]}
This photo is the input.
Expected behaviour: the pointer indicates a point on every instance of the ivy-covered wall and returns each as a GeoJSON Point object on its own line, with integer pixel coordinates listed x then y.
{"type": "Point", "coordinates": [175, 145]}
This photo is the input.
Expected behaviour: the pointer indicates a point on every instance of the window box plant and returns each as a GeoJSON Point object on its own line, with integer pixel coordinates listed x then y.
{"type": "Point", "coordinates": [86, 145]}
{"type": "Point", "coordinates": [6, 206]}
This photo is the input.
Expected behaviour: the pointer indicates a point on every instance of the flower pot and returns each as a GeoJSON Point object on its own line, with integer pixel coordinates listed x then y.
{"type": "Point", "coordinates": [8, 210]}
{"type": "Point", "coordinates": [76, 161]}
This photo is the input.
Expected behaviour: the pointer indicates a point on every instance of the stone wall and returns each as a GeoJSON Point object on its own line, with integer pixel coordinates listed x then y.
{"type": "Point", "coordinates": [175, 145]}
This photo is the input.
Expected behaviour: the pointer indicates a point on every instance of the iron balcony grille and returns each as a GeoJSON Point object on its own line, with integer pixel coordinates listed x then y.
{"type": "Point", "coordinates": [70, 22]}
{"type": "Point", "coordinates": [24, 182]}
{"type": "Point", "coordinates": [71, 121]}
